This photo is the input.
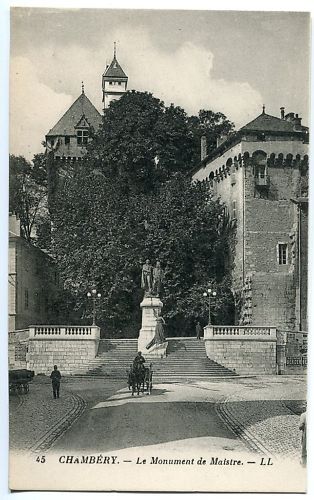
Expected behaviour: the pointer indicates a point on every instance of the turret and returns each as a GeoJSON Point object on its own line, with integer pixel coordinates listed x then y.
{"type": "Point", "coordinates": [114, 81]}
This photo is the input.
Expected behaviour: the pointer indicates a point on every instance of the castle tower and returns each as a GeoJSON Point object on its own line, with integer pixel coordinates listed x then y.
{"type": "Point", "coordinates": [114, 81]}
{"type": "Point", "coordinates": [261, 174]}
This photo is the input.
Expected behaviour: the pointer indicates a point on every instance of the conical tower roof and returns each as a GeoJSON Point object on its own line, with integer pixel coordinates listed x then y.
{"type": "Point", "coordinates": [115, 70]}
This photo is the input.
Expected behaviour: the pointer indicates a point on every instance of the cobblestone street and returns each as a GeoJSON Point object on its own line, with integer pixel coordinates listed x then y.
{"type": "Point", "coordinates": [265, 413]}
{"type": "Point", "coordinates": [262, 412]}
{"type": "Point", "coordinates": [37, 420]}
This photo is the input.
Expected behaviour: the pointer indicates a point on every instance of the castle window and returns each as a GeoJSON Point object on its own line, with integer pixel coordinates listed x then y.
{"type": "Point", "coordinates": [82, 137]}
{"type": "Point", "coordinates": [282, 253]}
{"type": "Point", "coordinates": [234, 209]}
{"type": "Point", "coordinates": [67, 139]}
{"type": "Point", "coordinates": [260, 171]}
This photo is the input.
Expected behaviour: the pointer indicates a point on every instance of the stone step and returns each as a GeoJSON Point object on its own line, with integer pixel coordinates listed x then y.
{"type": "Point", "coordinates": [186, 357]}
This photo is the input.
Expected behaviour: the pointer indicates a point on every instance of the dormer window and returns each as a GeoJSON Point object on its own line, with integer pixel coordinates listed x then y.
{"type": "Point", "coordinates": [82, 137]}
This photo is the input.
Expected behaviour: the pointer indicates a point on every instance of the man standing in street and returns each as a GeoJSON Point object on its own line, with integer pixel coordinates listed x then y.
{"type": "Point", "coordinates": [55, 379]}
{"type": "Point", "coordinates": [198, 329]}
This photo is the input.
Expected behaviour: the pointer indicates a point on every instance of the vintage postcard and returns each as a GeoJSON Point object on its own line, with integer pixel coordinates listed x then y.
{"type": "Point", "coordinates": [158, 250]}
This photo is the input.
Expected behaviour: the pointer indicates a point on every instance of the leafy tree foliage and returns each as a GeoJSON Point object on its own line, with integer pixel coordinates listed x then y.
{"type": "Point", "coordinates": [27, 191]}
{"type": "Point", "coordinates": [211, 125]}
{"type": "Point", "coordinates": [145, 143]}
{"type": "Point", "coordinates": [103, 236]}
{"type": "Point", "coordinates": [129, 200]}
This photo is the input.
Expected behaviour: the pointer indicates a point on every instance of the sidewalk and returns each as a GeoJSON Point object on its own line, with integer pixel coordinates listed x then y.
{"type": "Point", "coordinates": [36, 419]}
{"type": "Point", "coordinates": [265, 413]}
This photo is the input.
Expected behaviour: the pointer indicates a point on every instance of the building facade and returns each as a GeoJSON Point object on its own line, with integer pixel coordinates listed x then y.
{"type": "Point", "coordinates": [68, 139]}
{"type": "Point", "coordinates": [33, 282]}
{"type": "Point", "coordinates": [261, 174]}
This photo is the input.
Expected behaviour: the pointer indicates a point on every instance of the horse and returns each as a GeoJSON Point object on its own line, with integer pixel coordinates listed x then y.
{"type": "Point", "coordinates": [136, 378]}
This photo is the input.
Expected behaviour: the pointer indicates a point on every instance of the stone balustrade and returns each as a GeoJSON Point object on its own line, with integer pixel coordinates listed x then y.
{"type": "Point", "coordinates": [55, 332]}
{"type": "Point", "coordinates": [247, 350]}
{"type": "Point", "coordinates": [240, 332]}
{"type": "Point", "coordinates": [68, 347]}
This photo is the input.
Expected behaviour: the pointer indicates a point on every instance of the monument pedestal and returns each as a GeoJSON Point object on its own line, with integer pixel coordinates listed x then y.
{"type": "Point", "coordinates": [147, 332]}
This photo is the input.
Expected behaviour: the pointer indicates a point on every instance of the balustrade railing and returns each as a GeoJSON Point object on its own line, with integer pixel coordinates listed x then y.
{"type": "Point", "coordinates": [242, 331]}
{"type": "Point", "coordinates": [64, 332]}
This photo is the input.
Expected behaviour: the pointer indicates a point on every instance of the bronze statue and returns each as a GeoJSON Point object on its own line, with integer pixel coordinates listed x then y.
{"type": "Point", "coordinates": [157, 278]}
{"type": "Point", "coordinates": [147, 277]}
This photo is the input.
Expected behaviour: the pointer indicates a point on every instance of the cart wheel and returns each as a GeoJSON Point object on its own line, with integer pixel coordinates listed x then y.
{"type": "Point", "coordinates": [26, 388]}
{"type": "Point", "coordinates": [20, 389]}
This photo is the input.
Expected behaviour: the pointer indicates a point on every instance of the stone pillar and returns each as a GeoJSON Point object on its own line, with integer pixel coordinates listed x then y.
{"type": "Point", "coordinates": [281, 353]}
{"type": "Point", "coordinates": [147, 332]}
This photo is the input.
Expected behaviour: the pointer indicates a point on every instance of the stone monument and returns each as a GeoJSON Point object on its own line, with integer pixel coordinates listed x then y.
{"type": "Point", "coordinates": [151, 309]}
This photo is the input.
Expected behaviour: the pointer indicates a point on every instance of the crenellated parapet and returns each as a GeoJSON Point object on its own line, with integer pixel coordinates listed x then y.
{"type": "Point", "coordinates": [258, 157]}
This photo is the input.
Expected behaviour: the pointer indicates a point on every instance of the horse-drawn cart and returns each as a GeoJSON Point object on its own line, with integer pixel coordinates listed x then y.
{"type": "Point", "coordinates": [140, 379]}
{"type": "Point", "coordinates": [19, 381]}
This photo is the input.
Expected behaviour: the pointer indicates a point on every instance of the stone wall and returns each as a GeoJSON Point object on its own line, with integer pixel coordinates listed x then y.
{"type": "Point", "coordinates": [68, 355]}
{"type": "Point", "coordinates": [265, 215]}
{"type": "Point", "coordinates": [245, 350]}
{"type": "Point", "coordinates": [18, 349]}
{"type": "Point", "coordinates": [245, 357]}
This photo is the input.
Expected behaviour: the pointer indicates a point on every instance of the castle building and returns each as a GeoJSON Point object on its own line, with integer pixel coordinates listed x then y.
{"type": "Point", "coordinates": [114, 82]}
{"type": "Point", "coordinates": [261, 174]}
{"type": "Point", "coordinates": [33, 281]}
{"type": "Point", "coordinates": [70, 135]}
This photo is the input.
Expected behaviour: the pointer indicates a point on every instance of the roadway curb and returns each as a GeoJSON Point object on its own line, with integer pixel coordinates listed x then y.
{"type": "Point", "coordinates": [47, 440]}
{"type": "Point", "coordinates": [224, 411]}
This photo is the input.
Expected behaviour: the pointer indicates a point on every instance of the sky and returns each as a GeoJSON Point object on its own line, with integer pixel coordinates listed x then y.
{"type": "Point", "coordinates": [233, 62]}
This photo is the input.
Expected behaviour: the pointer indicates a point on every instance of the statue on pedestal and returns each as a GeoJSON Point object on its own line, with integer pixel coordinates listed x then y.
{"type": "Point", "coordinates": [157, 279]}
{"type": "Point", "coordinates": [151, 279]}
{"type": "Point", "coordinates": [147, 277]}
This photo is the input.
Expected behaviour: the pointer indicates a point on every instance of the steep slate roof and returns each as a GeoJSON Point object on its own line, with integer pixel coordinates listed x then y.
{"type": "Point", "coordinates": [262, 123]}
{"type": "Point", "coordinates": [115, 70]}
{"type": "Point", "coordinates": [71, 118]}
{"type": "Point", "coordinates": [268, 123]}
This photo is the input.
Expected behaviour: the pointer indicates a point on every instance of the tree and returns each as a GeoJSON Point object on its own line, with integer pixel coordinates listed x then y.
{"type": "Point", "coordinates": [27, 192]}
{"type": "Point", "coordinates": [103, 236]}
{"type": "Point", "coordinates": [131, 198]}
{"type": "Point", "coordinates": [211, 125]}
{"type": "Point", "coordinates": [142, 141]}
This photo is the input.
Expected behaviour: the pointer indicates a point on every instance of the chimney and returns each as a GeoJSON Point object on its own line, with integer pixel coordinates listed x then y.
{"type": "Point", "coordinates": [282, 113]}
{"type": "Point", "coordinates": [297, 122]}
{"type": "Point", "coordinates": [289, 117]}
{"type": "Point", "coordinates": [203, 147]}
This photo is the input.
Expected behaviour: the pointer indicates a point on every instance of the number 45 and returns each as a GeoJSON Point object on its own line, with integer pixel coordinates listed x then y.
{"type": "Point", "coordinates": [41, 459]}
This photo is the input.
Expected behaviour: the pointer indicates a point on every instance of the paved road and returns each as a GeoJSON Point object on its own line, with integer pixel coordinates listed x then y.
{"type": "Point", "coordinates": [176, 416]}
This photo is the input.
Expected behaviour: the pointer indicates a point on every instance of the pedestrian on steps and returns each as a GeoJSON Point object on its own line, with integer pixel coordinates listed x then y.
{"type": "Point", "coordinates": [55, 379]}
{"type": "Point", "coordinates": [198, 329]}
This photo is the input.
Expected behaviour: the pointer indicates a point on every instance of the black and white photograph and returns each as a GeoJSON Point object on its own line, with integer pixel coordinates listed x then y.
{"type": "Point", "coordinates": [158, 250]}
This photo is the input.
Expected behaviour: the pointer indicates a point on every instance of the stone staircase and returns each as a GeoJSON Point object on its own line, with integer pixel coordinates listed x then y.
{"type": "Point", "coordinates": [186, 358]}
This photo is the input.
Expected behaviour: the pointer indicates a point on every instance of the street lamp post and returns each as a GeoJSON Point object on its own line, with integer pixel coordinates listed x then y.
{"type": "Point", "coordinates": [94, 295]}
{"type": "Point", "coordinates": [209, 294]}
